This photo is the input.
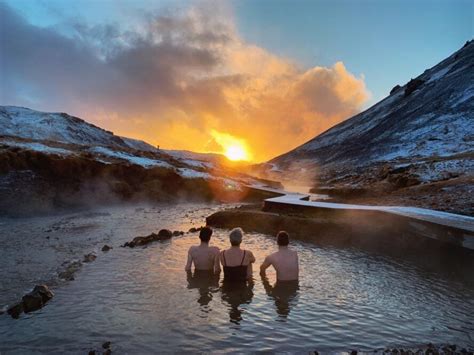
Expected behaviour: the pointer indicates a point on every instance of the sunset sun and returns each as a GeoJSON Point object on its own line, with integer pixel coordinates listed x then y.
{"type": "Point", "coordinates": [236, 152]}
{"type": "Point", "coordinates": [233, 148]}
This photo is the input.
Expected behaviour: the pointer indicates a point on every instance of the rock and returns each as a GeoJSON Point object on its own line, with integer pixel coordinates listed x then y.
{"type": "Point", "coordinates": [92, 352]}
{"type": "Point", "coordinates": [106, 345]}
{"type": "Point", "coordinates": [15, 310]}
{"type": "Point", "coordinates": [395, 89]}
{"type": "Point", "coordinates": [165, 234]}
{"type": "Point", "coordinates": [89, 258]}
{"type": "Point", "coordinates": [177, 233]}
{"type": "Point", "coordinates": [403, 180]}
{"type": "Point", "coordinates": [194, 229]}
{"type": "Point", "coordinates": [106, 248]}
{"type": "Point", "coordinates": [354, 352]}
{"type": "Point", "coordinates": [68, 273]}
{"type": "Point", "coordinates": [413, 85]}
{"type": "Point", "coordinates": [107, 352]}
{"type": "Point", "coordinates": [32, 302]}
{"type": "Point", "coordinates": [37, 298]}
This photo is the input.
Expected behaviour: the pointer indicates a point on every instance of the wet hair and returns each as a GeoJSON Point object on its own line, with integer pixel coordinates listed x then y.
{"type": "Point", "coordinates": [205, 234]}
{"type": "Point", "coordinates": [283, 239]}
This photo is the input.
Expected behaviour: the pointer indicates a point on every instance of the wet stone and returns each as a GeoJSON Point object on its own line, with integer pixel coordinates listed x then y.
{"type": "Point", "coordinates": [106, 345]}
{"type": "Point", "coordinates": [163, 234]}
{"type": "Point", "coordinates": [89, 258]}
{"type": "Point", "coordinates": [106, 248]}
{"type": "Point", "coordinates": [15, 310]}
{"type": "Point", "coordinates": [194, 229]}
{"type": "Point", "coordinates": [37, 298]}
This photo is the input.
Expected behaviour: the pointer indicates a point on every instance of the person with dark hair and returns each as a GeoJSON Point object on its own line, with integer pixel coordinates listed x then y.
{"type": "Point", "coordinates": [204, 257]}
{"type": "Point", "coordinates": [285, 260]}
{"type": "Point", "coordinates": [236, 262]}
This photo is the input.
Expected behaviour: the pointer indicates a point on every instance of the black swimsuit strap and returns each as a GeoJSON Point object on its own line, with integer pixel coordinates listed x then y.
{"type": "Point", "coordinates": [243, 257]}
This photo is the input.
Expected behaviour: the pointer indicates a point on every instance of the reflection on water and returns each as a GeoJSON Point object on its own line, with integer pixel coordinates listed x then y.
{"type": "Point", "coordinates": [143, 301]}
{"type": "Point", "coordinates": [235, 295]}
{"type": "Point", "coordinates": [206, 283]}
{"type": "Point", "coordinates": [284, 293]}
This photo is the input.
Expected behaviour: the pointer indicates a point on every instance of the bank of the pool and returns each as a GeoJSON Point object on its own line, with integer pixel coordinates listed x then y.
{"type": "Point", "coordinates": [379, 227]}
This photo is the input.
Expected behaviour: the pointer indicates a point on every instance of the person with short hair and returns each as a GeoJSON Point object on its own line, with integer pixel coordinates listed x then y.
{"type": "Point", "coordinates": [236, 262]}
{"type": "Point", "coordinates": [204, 257]}
{"type": "Point", "coordinates": [284, 261]}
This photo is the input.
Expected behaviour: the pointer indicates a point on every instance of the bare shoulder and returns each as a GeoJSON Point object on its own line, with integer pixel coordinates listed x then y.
{"type": "Point", "coordinates": [249, 253]}
{"type": "Point", "coordinates": [215, 250]}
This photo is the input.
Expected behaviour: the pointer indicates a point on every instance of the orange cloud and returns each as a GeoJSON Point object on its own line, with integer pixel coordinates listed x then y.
{"type": "Point", "coordinates": [178, 79]}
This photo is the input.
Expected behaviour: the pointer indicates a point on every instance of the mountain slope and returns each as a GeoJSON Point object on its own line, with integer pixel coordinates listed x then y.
{"type": "Point", "coordinates": [51, 160]}
{"type": "Point", "coordinates": [435, 119]}
{"type": "Point", "coordinates": [60, 127]}
{"type": "Point", "coordinates": [421, 134]}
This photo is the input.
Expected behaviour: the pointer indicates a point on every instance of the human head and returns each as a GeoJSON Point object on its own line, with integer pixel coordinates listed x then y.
{"type": "Point", "coordinates": [235, 236]}
{"type": "Point", "coordinates": [205, 234]}
{"type": "Point", "coordinates": [283, 239]}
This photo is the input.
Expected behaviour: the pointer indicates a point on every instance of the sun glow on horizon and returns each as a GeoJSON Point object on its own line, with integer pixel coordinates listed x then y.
{"type": "Point", "coordinates": [233, 148]}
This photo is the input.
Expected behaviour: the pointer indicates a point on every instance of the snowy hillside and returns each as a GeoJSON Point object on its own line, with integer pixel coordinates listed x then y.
{"type": "Point", "coordinates": [52, 161]}
{"type": "Point", "coordinates": [62, 134]}
{"type": "Point", "coordinates": [431, 116]}
{"type": "Point", "coordinates": [25, 123]}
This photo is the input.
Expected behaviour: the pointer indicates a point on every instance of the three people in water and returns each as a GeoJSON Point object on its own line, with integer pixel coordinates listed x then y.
{"type": "Point", "coordinates": [237, 262]}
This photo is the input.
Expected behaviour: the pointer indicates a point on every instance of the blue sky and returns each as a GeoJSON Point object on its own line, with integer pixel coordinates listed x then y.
{"type": "Point", "coordinates": [388, 41]}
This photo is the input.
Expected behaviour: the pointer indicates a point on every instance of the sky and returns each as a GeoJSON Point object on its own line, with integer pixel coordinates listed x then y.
{"type": "Point", "coordinates": [267, 75]}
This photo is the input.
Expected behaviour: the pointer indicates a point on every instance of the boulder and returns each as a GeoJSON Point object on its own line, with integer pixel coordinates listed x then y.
{"type": "Point", "coordinates": [413, 85]}
{"type": "Point", "coordinates": [403, 180]}
{"type": "Point", "coordinates": [194, 229]}
{"type": "Point", "coordinates": [177, 233]}
{"type": "Point", "coordinates": [164, 234]}
{"type": "Point", "coordinates": [15, 310]}
{"type": "Point", "coordinates": [106, 248]}
{"type": "Point", "coordinates": [32, 302]}
{"type": "Point", "coordinates": [68, 273]}
{"type": "Point", "coordinates": [395, 89]}
{"type": "Point", "coordinates": [106, 345]}
{"type": "Point", "coordinates": [89, 258]}
{"type": "Point", "coordinates": [37, 298]}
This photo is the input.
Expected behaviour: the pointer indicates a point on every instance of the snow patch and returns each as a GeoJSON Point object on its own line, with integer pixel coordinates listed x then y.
{"type": "Point", "coordinates": [193, 174]}
{"type": "Point", "coordinates": [133, 159]}
{"type": "Point", "coordinates": [38, 147]}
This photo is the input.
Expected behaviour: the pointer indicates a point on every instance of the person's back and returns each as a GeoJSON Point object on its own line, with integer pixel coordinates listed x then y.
{"type": "Point", "coordinates": [236, 262]}
{"type": "Point", "coordinates": [285, 260]}
{"type": "Point", "coordinates": [203, 256]}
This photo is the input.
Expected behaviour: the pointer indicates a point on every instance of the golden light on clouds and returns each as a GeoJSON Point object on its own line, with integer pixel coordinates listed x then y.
{"type": "Point", "coordinates": [184, 78]}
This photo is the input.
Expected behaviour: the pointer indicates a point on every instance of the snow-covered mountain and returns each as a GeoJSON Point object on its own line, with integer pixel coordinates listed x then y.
{"type": "Point", "coordinates": [431, 116]}
{"type": "Point", "coordinates": [63, 134]}
{"type": "Point", "coordinates": [49, 160]}
{"type": "Point", "coordinates": [25, 123]}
